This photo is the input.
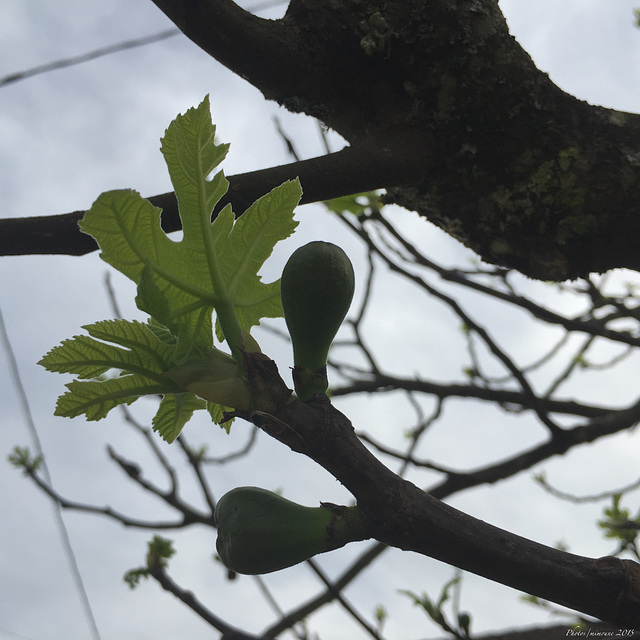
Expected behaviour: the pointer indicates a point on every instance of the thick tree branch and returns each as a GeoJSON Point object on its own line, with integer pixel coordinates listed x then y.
{"type": "Point", "coordinates": [366, 167]}
{"type": "Point", "coordinates": [262, 51]}
{"type": "Point", "coordinates": [528, 176]}
{"type": "Point", "coordinates": [408, 518]}
{"type": "Point", "coordinates": [403, 516]}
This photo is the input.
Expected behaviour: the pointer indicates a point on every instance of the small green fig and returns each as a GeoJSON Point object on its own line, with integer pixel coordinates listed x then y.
{"type": "Point", "coordinates": [317, 288]}
{"type": "Point", "coordinates": [260, 531]}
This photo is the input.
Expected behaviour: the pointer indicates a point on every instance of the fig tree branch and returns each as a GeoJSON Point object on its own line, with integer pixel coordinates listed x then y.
{"type": "Point", "coordinates": [306, 609]}
{"type": "Point", "coordinates": [187, 597]}
{"type": "Point", "coordinates": [110, 512]}
{"type": "Point", "coordinates": [381, 382]}
{"type": "Point", "coordinates": [614, 422]}
{"type": "Point", "coordinates": [368, 166]}
{"type": "Point", "coordinates": [403, 516]}
{"type": "Point", "coordinates": [585, 322]}
{"type": "Point", "coordinates": [528, 176]}
{"type": "Point", "coordinates": [342, 600]}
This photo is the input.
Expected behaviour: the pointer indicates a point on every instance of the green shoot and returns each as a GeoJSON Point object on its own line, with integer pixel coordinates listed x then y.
{"type": "Point", "coordinates": [180, 285]}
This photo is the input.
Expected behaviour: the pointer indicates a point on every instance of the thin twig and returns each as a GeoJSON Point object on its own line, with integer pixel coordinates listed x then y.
{"type": "Point", "coordinates": [596, 497]}
{"type": "Point", "coordinates": [268, 596]}
{"type": "Point", "coordinates": [472, 325]}
{"type": "Point", "coordinates": [188, 598]}
{"type": "Point", "coordinates": [343, 601]}
{"type": "Point", "coordinates": [195, 462]}
{"type": "Point", "coordinates": [170, 497]}
{"type": "Point", "coordinates": [64, 503]}
{"type": "Point", "coordinates": [229, 457]}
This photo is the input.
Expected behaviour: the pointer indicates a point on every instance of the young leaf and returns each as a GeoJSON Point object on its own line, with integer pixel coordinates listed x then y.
{"type": "Point", "coordinates": [168, 274]}
{"type": "Point", "coordinates": [140, 355]}
{"type": "Point", "coordinates": [90, 357]}
{"type": "Point", "coordinates": [95, 398]}
{"type": "Point", "coordinates": [144, 354]}
{"type": "Point", "coordinates": [361, 205]}
{"type": "Point", "coordinates": [214, 266]}
{"type": "Point", "coordinates": [217, 412]}
{"type": "Point", "coordinates": [247, 247]}
{"type": "Point", "coordinates": [174, 412]}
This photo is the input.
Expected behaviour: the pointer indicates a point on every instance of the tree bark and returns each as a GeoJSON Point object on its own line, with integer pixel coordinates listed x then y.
{"type": "Point", "coordinates": [523, 173]}
{"type": "Point", "coordinates": [493, 152]}
{"type": "Point", "coordinates": [351, 170]}
{"type": "Point", "coordinates": [403, 516]}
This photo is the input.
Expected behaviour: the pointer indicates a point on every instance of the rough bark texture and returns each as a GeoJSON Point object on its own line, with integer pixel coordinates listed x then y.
{"type": "Point", "coordinates": [444, 109]}
{"type": "Point", "coordinates": [523, 173]}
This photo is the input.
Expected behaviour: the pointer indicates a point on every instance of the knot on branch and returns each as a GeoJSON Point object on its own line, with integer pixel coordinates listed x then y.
{"type": "Point", "coordinates": [267, 387]}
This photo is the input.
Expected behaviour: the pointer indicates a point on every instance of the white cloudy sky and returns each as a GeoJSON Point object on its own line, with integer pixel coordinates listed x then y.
{"type": "Point", "coordinates": [68, 135]}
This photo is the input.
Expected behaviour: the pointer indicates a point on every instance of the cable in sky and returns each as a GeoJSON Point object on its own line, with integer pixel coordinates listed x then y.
{"type": "Point", "coordinates": [37, 445]}
{"type": "Point", "coordinates": [17, 76]}
{"type": "Point", "coordinates": [85, 57]}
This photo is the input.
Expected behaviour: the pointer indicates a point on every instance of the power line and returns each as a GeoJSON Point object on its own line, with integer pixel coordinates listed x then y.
{"type": "Point", "coordinates": [18, 76]}
{"type": "Point", "coordinates": [85, 57]}
{"type": "Point", "coordinates": [9, 635]}
{"type": "Point", "coordinates": [57, 511]}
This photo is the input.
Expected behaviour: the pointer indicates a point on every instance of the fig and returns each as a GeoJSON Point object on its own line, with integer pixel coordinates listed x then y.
{"type": "Point", "coordinates": [260, 531]}
{"type": "Point", "coordinates": [316, 287]}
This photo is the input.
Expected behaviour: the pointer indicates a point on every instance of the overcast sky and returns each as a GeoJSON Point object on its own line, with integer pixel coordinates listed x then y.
{"type": "Point", "coordinates": [68, 135]}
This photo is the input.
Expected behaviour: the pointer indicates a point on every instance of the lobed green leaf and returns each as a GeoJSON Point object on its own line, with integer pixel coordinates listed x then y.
{"type": "Point", "coordinates": [180, 283]}
{"type": "Point", "coordinates": [174, 412]}
{"type": "Point", "coordinates": [91, 356]}
{"type": "Point", "coordinates": [246, 247]}
{"type": "Point", "coordinates": [95, 398]}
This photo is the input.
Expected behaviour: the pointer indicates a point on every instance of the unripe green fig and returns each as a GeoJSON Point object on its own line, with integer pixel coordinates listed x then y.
{"type": "Point", "coordinates": [260, 531]}
{"type": "Point", "coordinates": [316, 287]}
